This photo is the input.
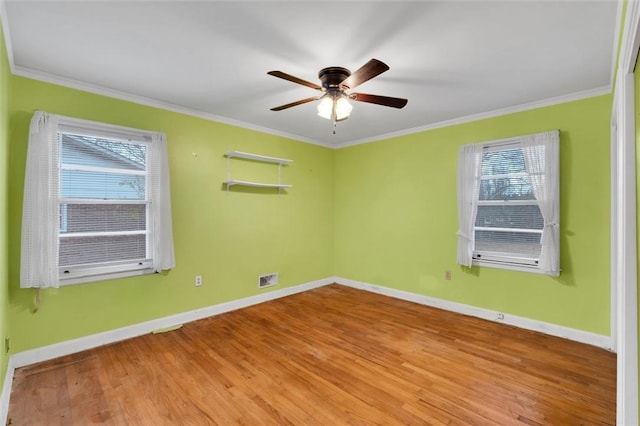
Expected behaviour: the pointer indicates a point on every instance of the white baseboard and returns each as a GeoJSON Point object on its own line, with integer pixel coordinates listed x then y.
{"type": "Point", "coordinates": [45, 353]}
{"type": "Point", "coordinates": [56, 350]}
{"type": "Point", "coordinates": [520, 322]}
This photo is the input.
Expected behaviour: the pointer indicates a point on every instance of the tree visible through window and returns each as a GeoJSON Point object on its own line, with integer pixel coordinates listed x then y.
{"type": "Point", "coordinates": [509, 220]}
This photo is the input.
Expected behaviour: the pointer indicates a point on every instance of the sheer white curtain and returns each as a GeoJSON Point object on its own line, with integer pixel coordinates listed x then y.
{"type": "Point", "coordinates": [163, 256]}
{"type": "Point", "coordinates": [541, 157]}
{"type": "Point", "coordinates": [40, 225]}
{"type": "Point", "coordinates": [469, 162]}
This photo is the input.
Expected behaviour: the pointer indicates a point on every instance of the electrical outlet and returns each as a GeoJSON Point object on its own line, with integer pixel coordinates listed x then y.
{"type": "Point", "coordinates": [198, 280]}
{"type": "Point", "coordinates": [268, 280]}
{"type": "Point", "coordinates": [447, 275]}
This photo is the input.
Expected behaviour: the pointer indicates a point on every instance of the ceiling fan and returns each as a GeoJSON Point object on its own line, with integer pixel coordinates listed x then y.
{"type": "Point", "coordinates": [336, 85]}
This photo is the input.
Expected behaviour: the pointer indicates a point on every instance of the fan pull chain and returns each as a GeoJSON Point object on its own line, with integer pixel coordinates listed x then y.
{"type": "Point", "coordinates": [334, 127]}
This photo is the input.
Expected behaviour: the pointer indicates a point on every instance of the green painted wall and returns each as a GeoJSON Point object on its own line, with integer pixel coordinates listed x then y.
{"type": "Point", "coordinates": [5, 78]}
{"type": "Point", "coordinates": [383, 213]}
{"type": "Point", "coordinates": [396, 217]}
{"type": "Point", "coordinates": [228, 238]}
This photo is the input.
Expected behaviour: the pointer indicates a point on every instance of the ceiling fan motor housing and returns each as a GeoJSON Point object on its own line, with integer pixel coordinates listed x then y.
{"type": "Point", "coordinates": [331, 77]}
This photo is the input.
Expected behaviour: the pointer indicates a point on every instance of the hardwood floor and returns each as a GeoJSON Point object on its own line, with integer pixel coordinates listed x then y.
{"type": "Point", "coordinates": [330, 356]}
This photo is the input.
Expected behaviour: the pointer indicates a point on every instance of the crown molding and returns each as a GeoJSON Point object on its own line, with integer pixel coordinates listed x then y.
{"type": "Point", "coordinates": [598, 91]}
{"type": "Point", "coordinates": [7, 35]}
{"type": "Point", "coordinates": [100, 90]}
{"type": "Point", "coordinates": [143, 100]}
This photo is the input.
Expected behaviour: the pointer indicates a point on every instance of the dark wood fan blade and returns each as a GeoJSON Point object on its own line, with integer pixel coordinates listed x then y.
{"type": "Point", "coordinates": [296, 103]}
{"type": "Point", "coordinates": [291, 78]}
{"type": "Point", "coordinates": [380, 100]}
{"type": "Point", "coordinates": [365, 73]}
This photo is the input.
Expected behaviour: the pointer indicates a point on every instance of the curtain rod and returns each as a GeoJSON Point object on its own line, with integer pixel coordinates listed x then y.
{"type": "Point", "coordinates": [82, 123]}
{"type": "Point", "coordinates": [513, 140]}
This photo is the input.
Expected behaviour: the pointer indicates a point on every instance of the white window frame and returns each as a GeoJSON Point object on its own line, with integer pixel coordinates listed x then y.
{"type": "Point", "coordinates": [76, 274]}
{"type": "Point", "coordinates": [485, 258]}
{"type": "Point", "coordinates": [159, 236]}
{"type": "Point", "coordinates": [490, 258]}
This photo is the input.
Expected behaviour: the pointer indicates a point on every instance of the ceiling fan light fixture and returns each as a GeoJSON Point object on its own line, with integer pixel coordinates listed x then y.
{"type": "Point", "coordinates": [334, 106]}
{"type": "Point", "coordinates": [325, 107]}
{"type": "Point", "coordinates": [343, 108]}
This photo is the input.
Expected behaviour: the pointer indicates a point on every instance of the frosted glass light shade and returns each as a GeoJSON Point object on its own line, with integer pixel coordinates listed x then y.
{"type": "Point", "coordinates": [334, 107]}
{"type": "Point", "coordinates": [325, 107]}
{"type": "Point", "coordinates": [343, 109]}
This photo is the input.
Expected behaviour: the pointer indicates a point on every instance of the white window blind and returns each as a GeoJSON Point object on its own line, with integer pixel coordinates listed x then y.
{"type": "Point", "coordinates": [510, 191]}
{"type": "Point", "coordinates": [508, 222]}
{"type": "Point", "coordinates": [99, 209]}
{"type": "Point", "coordinates": [104, 202]}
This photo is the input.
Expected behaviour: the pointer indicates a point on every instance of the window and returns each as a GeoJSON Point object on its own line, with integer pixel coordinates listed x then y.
{"type": "Point", "coordinates": [97, 199]}
{"type": "Point", "coordinates": [508, 204]}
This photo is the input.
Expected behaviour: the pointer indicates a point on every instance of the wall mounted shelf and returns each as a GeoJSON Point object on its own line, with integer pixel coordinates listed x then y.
{"type": "Point", "coordinates": [257, 184]}
{"type": "Point", "coordinates": [256, 157]}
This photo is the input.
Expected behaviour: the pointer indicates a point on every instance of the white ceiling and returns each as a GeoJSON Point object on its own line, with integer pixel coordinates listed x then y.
{"type": "Point", "coordinates": [451, 59]}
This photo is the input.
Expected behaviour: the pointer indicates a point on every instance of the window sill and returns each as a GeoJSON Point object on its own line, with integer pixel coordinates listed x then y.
{"type": "Point", "coordinates": [87, 277]}
{"type": "Point", "coordinates": [510, 266]}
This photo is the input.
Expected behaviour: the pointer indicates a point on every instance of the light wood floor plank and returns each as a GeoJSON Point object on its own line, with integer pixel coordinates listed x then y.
{"type": "Point", "coordinates": [329, 356]}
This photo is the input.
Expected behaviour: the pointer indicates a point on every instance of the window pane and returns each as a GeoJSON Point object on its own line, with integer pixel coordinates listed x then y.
{"type": "Point", "coordinates": [101, 185]}
{"type": "Point", "coordinates": [508, 188]}
{"type": "Point", "coordinates": [102, 169]}
{"type": "Point", "coordinates": [87, 250]}
{"type": "Point", "coordinates": [510, 216]}
{"type": "Point", "coordinates": [90, 151]}
{"type": "Point", "coordinates": [102, 217]}
{"type": "Point", "coordinates": [496, 184]}
{"type": "Point", "coordinates": [504, 178]}
{"type": "Point", "coordinates": [513, 244]}
{"type": "Point", "coordinates": [503, 162]}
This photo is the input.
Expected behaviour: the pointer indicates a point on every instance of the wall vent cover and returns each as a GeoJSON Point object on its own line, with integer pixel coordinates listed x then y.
{"type": "Point", "coordinates": [267, 280]}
